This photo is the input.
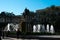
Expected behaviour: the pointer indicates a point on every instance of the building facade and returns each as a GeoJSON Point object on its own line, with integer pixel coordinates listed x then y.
{"type": "Point", "coordinates": [8, 18]}
{"type": "Point", "coordinates": [30, 20]}
{"type": "Point", "coordinates": [44, 17]}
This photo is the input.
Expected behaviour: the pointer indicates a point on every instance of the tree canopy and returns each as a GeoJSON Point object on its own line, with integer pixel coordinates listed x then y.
{"type": "Point", "coordinates": [7, 14]}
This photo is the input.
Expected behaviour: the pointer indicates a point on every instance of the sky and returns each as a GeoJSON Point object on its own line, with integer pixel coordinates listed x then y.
{"type": "Point", "coordinates": [18, 6]}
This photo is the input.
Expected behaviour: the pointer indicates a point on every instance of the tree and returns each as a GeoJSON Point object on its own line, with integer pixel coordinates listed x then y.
{"type": "Point", "coordinates": [53, 7]}
{"type": "Point", "coordinates": [3, 14]}
{"type": "Point", "coordinates": [26, 12]}
{"type": "Point", "coordinates": [7, 14]}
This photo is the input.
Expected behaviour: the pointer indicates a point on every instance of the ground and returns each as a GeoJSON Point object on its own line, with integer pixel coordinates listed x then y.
{"type": "Point", "coordinates": [17, 39]}
{"type": "Point", "coordinates": [44, 37]}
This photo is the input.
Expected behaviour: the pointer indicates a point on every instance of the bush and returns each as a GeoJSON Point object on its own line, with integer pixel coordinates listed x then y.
{"type": "Point", "coordinates": [36, 33]}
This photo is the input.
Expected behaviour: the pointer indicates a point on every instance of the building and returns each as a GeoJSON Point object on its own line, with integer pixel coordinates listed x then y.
{"type": "Point", "coordinates": [8, 18]}
{"type": "Point", "coordinates": [31, 19]}
{"type": "Point", "coordinates": [44, 17]}
{"type": "Point", "coordinates": [27, 23]}
{"type": "Point", "coordinates": [47, 19]}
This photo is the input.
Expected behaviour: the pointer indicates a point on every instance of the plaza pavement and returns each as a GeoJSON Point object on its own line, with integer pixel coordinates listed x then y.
{"type": "Point", "coordinates": [8, 38]}
{"type": "Point", "coordinates": [42, 37]}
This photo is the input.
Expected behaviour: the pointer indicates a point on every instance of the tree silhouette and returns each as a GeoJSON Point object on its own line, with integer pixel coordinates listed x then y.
{"type": "Point", "coordinates": [26, 12]}
{"type": "Point", "coordinates": [53, 7]}
{"type": "Point", "coordinates": [2, 14]}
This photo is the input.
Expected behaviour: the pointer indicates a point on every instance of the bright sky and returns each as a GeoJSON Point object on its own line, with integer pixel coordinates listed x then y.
{"type": "Point", "coordinates": [18, 6]}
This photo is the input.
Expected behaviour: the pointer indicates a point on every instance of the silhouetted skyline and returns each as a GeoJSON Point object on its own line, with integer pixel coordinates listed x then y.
{"type": "Point", "coordinates": [18, 6]}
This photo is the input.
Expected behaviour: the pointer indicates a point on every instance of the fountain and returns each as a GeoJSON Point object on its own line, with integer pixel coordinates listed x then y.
{"type": "Point", "coordinates": [47, 28]}
{"type": "Point", "coordinates": [38, 30]}
{"type": "Point", "coordinates": [43, 28]}
{"type": "Point", "coordinates": [34, 28]}
{"type": "Point", "coordinates": [8, 27]}
{"type": "Point", "coordinates": [51, 29]}
{"type": "Point", "coordinates": [11, 27]}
